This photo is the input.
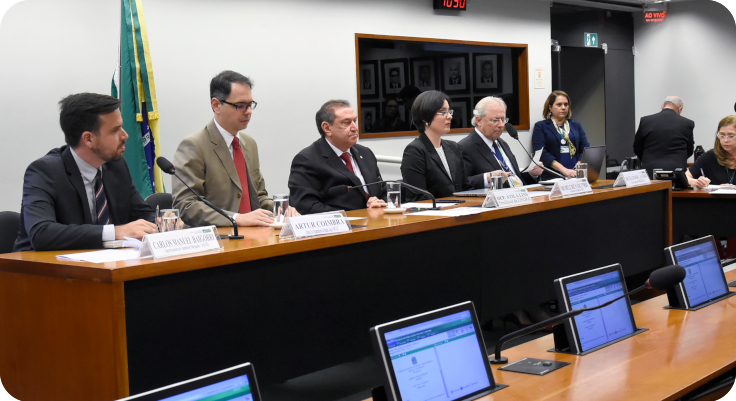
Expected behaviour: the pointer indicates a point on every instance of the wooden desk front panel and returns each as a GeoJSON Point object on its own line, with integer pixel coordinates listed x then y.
{"type": "Point", "coordinates": [698, 213]}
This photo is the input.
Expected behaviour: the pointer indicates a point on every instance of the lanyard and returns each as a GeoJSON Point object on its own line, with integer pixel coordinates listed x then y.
{"type": "Point", "coordinates": [499, 157]}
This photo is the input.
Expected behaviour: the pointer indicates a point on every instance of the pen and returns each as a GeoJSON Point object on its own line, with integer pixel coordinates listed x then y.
{"type": "Point", "coordinates": [702, 173]}
{"type": "Point", "coordinates": [157, 227]}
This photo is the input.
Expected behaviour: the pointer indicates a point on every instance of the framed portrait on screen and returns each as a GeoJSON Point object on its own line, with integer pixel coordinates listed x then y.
{"type": "Point", "coordinates": [369, 115]}
{"type": "Point", "coordinates": [368, 79]}
{"type": "Point", "coordinates": [487, 72]}
{"type": "Point", "coordinates": [424, 73]}
{"type": "Point", "coordinates": [461, 108]}
{"type": "Point", "coordinates": [455, 74]}
{"type": "Point", "coordinates": [395, 75]}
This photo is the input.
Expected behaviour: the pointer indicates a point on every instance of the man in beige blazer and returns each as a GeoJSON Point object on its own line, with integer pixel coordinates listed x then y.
{"type": "Point", "coordinates": [206, 162]}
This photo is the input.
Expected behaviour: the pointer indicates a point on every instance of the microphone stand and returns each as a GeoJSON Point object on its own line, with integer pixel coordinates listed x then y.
{"type": "Point", "coordinates": [498, 359]}
{"type": "Point", "coordinates": [531, 158]}
{"type": "Point", "coordinates": [217, 209]}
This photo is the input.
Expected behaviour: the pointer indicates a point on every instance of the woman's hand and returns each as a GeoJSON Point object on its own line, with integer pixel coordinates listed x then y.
{"type": "Point", "coordinates": [700, 183]}
{"type": "Point", "coordinates": [569, 173]}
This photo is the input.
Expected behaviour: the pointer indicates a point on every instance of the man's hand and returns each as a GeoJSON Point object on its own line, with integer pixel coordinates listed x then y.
{"type": "Point", "coordinates": [536, 171]}
{"type": "Point", "coordinates": [375, 202]}
{"type": "Point", "coordinates": [258, 217]}
{"type": "Point", "coordinates": [292, 212]}
{"type": "Point", "coordinates": [136, 229]}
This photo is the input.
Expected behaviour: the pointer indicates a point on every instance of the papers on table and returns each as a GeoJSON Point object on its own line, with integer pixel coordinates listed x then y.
{"type": "Point", "coordinates": [109, 255]}
{"type": "Point", "coordinates": [355, 218]}
{"type": "Point", "coordinates": [537, 156]}
{"type": "Point", "coordinates": [427, 205]}
{"type": "Point", "coordinates": [456, 212]}
{"type": "Point", "coordinates": [551, 181]}
{"type": "Point", "coordinates": [724, 191]}
{"type": "Point", "coordinates": [535, 194]}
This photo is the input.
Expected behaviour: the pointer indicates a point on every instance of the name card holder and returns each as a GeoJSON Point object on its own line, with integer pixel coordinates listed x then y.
{"type": "Point", "coordinates": [313, 225]}
{"type": "Point", "coordinates": [180, 242]}
{"type": "Point", "coordinates": [634, 178]}
{"type": "Point", "coordinates": [509, 197]}
{"type": "Point", "coordinates": [572, 187]}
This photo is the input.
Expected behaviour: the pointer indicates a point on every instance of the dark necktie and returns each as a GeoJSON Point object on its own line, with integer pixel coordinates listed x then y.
{"type": "Point", "coordinates": [499, 157]}
{"type": "Point", "coordinates": [242, 175]}
{"type": "Point", "coordinates": [103, 217]}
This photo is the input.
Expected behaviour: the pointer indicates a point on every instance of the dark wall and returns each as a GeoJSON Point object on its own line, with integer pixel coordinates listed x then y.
{"type": "Point", "coordinates": [616, 29]}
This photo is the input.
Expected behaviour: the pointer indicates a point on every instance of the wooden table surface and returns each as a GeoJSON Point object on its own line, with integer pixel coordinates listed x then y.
{"type": "Point", "coordinates": [681, 351]}
{"type": "Point", "coordinates": [263, 242]}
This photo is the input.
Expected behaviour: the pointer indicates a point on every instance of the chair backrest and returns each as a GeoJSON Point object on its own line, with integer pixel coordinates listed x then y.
{"type": "Point", "coordinates": [9, 227]}
{"type": "Point", "coordinates": [164, 200]}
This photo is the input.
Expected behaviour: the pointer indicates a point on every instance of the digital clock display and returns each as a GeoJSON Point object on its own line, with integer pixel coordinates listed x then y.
{"type": "Point", "coordinates": [449, 4]}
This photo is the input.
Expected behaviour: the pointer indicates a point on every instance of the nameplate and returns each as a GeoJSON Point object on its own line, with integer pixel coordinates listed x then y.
{"type": "Point", "coordinates": [180, 242]}
{"type": "Point", "coordinates": [632, 179]}
{"type": "Point", "coordinates": [507, 198]}
{"type": "Point", "coordinates": [312, 225]}
{"type": "Point", "coordinates": [572, 187]}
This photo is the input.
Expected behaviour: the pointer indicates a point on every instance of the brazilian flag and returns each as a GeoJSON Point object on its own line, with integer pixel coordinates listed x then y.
{"type": "Point", "coordinates": [133, 84]}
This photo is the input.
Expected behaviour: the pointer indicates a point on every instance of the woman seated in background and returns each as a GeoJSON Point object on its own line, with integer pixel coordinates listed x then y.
{"type": "Point", "coordinates": [718, 165]}
{"type": "Point", "coordinates": [562, 139]}
{"type": "Point", "coordinates": [429, 162]}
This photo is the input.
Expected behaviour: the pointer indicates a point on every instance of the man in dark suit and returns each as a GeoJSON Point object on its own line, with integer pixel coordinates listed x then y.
{"type": "Point", "coordinates": [81, 194]}
{"type": "Point", "coordinates": [485, 152]}
{"type": "Point", "coordinates": [665, 140]}
{"type": "Point", "coordinates": [333, 160]}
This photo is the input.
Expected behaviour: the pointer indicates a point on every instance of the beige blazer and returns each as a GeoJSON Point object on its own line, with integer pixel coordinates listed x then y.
{"type": "Point", "coordinates": [203, 161]}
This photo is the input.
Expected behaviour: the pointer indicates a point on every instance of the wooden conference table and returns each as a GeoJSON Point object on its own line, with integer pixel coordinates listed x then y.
{"type": "Point", "coordinates": [698, 213]}
{"type": "Point", "coordinates": [681, 351]}
{"type": "Point", "coordinates": [83, 331]}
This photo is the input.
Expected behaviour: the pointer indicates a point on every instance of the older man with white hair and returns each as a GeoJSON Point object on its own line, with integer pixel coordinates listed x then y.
{"type": "Point", "coordinates": [665, 140]}
{"type": "Point", "coordinates": [484, 151]}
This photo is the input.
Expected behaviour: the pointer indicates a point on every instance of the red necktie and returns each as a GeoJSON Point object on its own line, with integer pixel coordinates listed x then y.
{"type": "Point", "coordinates": [242, 175]}
{"type": "Point", "coordinates": [349, 163]}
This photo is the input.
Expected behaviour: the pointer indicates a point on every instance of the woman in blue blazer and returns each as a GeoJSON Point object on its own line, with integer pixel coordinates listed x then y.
{"type": "Point", "coordinates": [429, 162]}
{"type": "Point", "coordinates": [562, 139]}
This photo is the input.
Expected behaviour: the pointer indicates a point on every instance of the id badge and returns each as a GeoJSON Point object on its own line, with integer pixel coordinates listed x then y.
{"type": "Point", "coordinates": [564, 149]}
{"type": "Point", "coordinates": [515, 181]}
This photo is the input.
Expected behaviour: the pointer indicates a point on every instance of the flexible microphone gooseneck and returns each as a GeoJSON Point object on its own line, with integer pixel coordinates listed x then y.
{"type": "Point", "coordinates": [343, 189]}
{"type": "Point", "coordinates": [167, 167]}
{"type": "Point", "coordinates": [515, 134]}
{"type": "Point", "coordinates": [660, 279]}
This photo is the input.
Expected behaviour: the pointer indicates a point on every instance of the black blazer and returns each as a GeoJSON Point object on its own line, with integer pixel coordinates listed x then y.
{"type": "Point", "coordinates": [479, 160]}
{"type": "Point", "coordinates": [664, 140]}
{"type": "Point", "coordinates": [55, 213]}
{"type": "Point", "coordinates": [317, 168]}
{"type": "Point", "coordinates": [422, 167]}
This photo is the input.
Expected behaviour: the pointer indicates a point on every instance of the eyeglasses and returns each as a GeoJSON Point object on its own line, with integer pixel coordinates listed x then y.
{"type": "Point", "coordinates": [241, 107]}
{"type": "Point", "coordinates": [444, 113]}
{"type": "Point", "coordinates": [499, 120]}
{"type": "Point", "coordinates": [724, 136]}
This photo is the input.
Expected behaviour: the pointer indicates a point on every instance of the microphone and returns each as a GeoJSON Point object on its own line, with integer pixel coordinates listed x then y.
{"type": "Point", "coordinates": [515, 134]}
{"type": "Point", "coordinates": [343, 189]}
{"type": "Point", "coordinates": [661, 279]}
{"type": "Point", "coordinates": [167, 167]}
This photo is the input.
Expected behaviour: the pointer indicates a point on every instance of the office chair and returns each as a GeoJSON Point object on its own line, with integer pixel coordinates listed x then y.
{"type": "Point", "coordinates": [9, 227]}
{"type": "Point", "coordinates": [162, 199]}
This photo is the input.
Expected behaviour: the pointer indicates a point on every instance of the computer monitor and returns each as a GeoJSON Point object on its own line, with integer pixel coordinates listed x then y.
{"type": "Point", "coordinates": [705, 280]}
{"type": "Point", "coordinates": [594, 156]}
{"type": "Point", "coordinates": [598, 328]}
{"type": "Point", "coordinates": [438, 355]}
{"type": "Point", "coordinates": [237, 383]}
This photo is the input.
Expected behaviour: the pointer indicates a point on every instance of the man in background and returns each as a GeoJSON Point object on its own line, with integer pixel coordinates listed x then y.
{"type": "Point", "coordinates": [665, 140]}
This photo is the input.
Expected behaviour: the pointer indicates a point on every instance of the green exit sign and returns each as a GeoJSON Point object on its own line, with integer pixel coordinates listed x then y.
{"type": "Point", "coordinates": [591, 39]}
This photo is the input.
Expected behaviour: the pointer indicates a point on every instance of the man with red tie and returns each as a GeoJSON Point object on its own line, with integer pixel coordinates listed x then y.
{"type": "Point", "coordinates": [335, 160]}
{"type": "Point", "coordinates": [220, 163]}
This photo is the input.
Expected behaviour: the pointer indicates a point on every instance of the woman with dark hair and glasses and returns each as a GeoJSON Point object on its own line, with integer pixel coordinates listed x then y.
{"type": "Point", "coordinates": [429, 162]}
{"type": "Point", "coordinates": [718, 165]}
{"type": "Point", "coordinates": [562, 138]}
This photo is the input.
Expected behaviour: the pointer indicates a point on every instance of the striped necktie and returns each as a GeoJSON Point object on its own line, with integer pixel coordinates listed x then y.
{"type": "Point", "coordinates": [103, 215]}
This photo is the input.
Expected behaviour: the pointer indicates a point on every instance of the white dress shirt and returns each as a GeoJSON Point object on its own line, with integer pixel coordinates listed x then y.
{"type": "Point", "coordinates": [88, 178]}
{"type": "Point", "coordinates": [356, 168]}
{"type": "Point", "coordinates": [488, 142]}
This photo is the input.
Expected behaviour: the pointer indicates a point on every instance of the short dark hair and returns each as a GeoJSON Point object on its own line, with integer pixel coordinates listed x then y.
{"type": "Point", "coordinates": [327, 112]}
{"type": "Point", "coordinates": [426, 106]}
{"type": "Point", "coordinates": [81, 112]}
{"type": "Point", "coordinates": [391, 71]}
{"type": "Point", "coordinates": [221, 84]}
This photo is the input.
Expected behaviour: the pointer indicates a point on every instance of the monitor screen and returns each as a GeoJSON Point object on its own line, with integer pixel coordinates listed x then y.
{"type": "Point", "coordinates": [704, 280]}
{"type": "Point", "coordinates": [604, 325]}
{"type": "Point", "coordinates": [439, 359]}
{"type": "Point", "coordinates": [235, 389]}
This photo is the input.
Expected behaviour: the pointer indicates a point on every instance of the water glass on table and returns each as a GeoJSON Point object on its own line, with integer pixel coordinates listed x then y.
{"type": "Point", "coordinates": [496, 181]}
{"type": "Point", "coordinates": [581, 169]}
{"type": "Point", "coordinates": [393, 195]}
{"type": "Point", "coordinates": [168, 220]}
{"type": "Point", "coordinates": [280, 208]}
